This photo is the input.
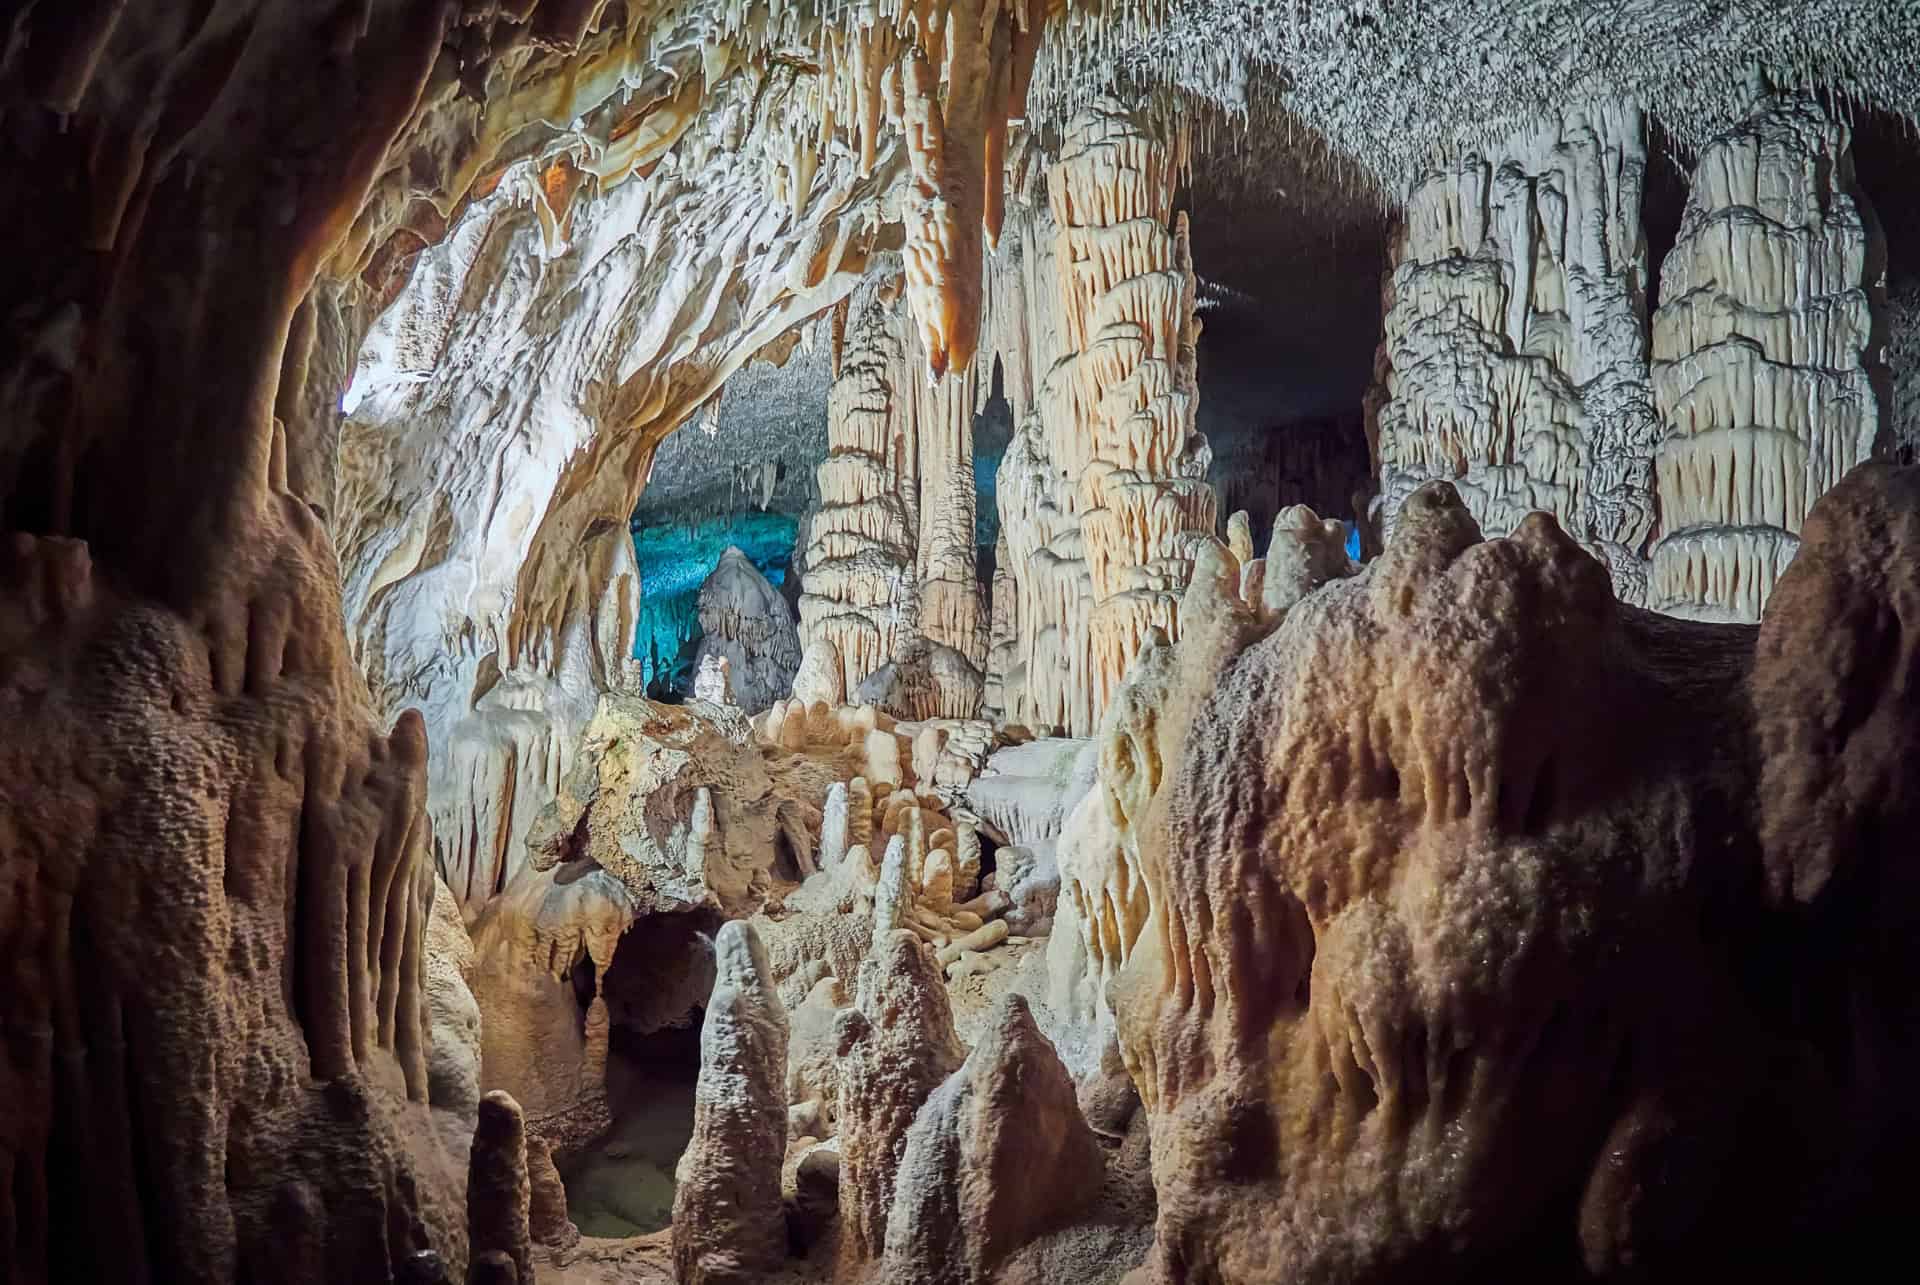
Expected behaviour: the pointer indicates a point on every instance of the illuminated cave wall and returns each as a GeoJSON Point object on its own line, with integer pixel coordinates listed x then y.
{"type": "Point", "coordinates": [675, 558]}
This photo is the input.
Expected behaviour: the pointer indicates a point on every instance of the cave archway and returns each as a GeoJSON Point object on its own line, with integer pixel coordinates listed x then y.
{"type": "Point", "coordinates": [622, 1182]}
{"type": "Point", "coordinates": [1289, 263]}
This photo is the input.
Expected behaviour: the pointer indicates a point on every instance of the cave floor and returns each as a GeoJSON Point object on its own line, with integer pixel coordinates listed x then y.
{"type": "Point", "coordinates": [623, 1185]}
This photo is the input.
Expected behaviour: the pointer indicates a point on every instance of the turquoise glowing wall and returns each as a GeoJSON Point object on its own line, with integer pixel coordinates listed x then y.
{"type": "Point", "coordinates": [675, 560]}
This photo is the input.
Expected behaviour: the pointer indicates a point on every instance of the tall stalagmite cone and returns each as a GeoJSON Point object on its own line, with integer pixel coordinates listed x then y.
{"type": "Point", "coordinates": [547, 1215]}
{"type": "Point", "coordinates": [895, 1048]}
{"type": "Point", "coordinates": [499, 1197]}
{"type": "Point", "coordinates": [998, 1155]}
{"type": "Point", "coordinates": [728, 1221]}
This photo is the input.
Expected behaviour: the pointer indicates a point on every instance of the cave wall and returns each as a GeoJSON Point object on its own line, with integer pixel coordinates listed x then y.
{"type": "Point", "coordinates": [216, 850]}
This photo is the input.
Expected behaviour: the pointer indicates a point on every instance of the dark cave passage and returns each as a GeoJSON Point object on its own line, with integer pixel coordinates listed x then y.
{"type": "Point", "coordinates": [622, 1184]}
{"type": "Point", "coordinates": [1289, 303]}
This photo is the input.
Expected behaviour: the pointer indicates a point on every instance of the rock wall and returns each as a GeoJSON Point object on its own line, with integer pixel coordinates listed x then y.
{"type": "Point", "coordinates": [1903, 362]}
{"type": "Point", "coordinates": [1765, 356]}
{"type": "Point", "coordinates": [216, 856]}
{"type": "Point", "coordinates": [1516, 337]}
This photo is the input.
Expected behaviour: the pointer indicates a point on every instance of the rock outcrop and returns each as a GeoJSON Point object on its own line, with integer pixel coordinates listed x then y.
{"type": "Point", "coordinates": [897, 1045]}
{"type": "Point", "coordinates": [998, 1154]}
{"type": "Point", "coordinates": [1456, 844]}
{"type": "Point", "coordinates": [748, 625]}
{"type": "Point", "coordinates": [728, 1222]}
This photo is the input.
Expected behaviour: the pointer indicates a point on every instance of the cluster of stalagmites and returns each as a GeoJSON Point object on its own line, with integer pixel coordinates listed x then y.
{"type": "Point", "coordinates": [1393, 876]}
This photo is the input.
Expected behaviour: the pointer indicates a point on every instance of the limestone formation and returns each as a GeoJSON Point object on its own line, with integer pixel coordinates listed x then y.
{"type": "Point", "coordinates": [857, 590]}
{"type": "Point", "coordinates": [1451, 917]}
{"type": "Point", "coordinates": [1763, 350]}
{"type": "Point", "coordinates": [822, 675]}
{"type": "Point", "coordinates": [485, 487]}
{"type": "Point", "coordinates": [673, 801]}
{"type": "Point", "coordinates": [890, 577]}
{"type": "Point", "coordinates": [999, 1154]}
{"type": "Point", "coordinates": [1024, 793]}
{"type": "Point", "coordinates": [728, 1225]}
{"type": "Point", "coordinates": [499, 1197]}
{"type": "Point", "coordinates": [453, 1018]}
{"type": "Point", "coordinates": [1516, 342]}
{"type": "Point", "coordinates": [896, 1047]}
{"type": "Point", "coordinates": [535, 1041]}
{"type": "Point", "coordinates": [547, 1220]}
{"type": "Point", "coordinates": [713, 680]}
{"type": "Point", "coordinates": [1430, 865]}
{"type": "Point", "coordinates": [748, 625]}
{"type": "Point", "coordinates": [218, 887]}
{"type": "Point", "coordinates": [1104, 493]}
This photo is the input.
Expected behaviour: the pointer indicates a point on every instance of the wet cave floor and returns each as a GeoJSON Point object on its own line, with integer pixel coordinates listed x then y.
{"type": "Point", "coordinates": [623, 1185]}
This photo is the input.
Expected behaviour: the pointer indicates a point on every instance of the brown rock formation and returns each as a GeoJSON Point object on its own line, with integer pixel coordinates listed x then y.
{"type": "Point", "coordinates": [999, 1154]}
{"type": "Point", "coordinates": [728, 1221]}
{"type": "Point", "coordinates": [896, 1047]}
{"type": "Point", "coordinates": [1496, 927]}
{"type": "Point", "coordinates": [499, 1196]}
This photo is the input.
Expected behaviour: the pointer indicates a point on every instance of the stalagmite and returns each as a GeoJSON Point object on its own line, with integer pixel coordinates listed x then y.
{"type": "Point", "coordinates": [895, 1048]}
{"type": "Point", "coordinates": [1761, 349]}
{"type": "Point", "coordinates": [822, 675]}
{"type": "Point", "coordinates": [999, 1154]}
{"type": "Point", "coordinates": [728, 1223]}
{"type": "Point", "coordinates": [747, 626]}
{"type": "Point", "coordinates": [499, 1196]}
{"type": "Point", "coordinates": [936, 884]}
{"type": "Point", "coordinates": [1516, 339]}
{"type": "Point", "coordinates": [547, 1220]}
{"type": "Point", "coordinates": [893, 895]}
{"type": "Point", "coordinates": [833, 826]}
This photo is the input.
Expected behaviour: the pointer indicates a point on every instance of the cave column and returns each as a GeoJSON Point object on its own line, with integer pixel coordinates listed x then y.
{"type": "Point", "coordinates": [1103, 492]}
{"type": "Point", "coordinates": [1514, 353]}
{"type": "Point", "coordinates": [861, 542]}
{"type": "Point", "coordinates": [1760, 356]}
{"type": "Point", "coordinates": [947, 561]}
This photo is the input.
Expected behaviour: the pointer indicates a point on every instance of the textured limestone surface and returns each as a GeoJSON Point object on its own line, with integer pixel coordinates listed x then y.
{"type": "Point", "coordinates": [1452, 919]}
{"type": "Point", "coordinates": [1455, 843]}
{"type": "Point", "coordinates": [1516, 341]}
{"type": "Point", "coordinates": [1764, 355]}
{"type": "Point", "coordinates": [747, 624]}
